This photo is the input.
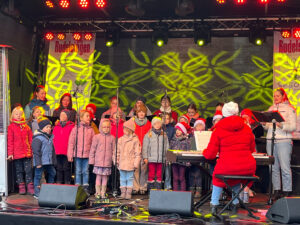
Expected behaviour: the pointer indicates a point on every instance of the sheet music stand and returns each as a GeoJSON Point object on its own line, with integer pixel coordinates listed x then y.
{"type": "Point", "coordinates": [269, 117]}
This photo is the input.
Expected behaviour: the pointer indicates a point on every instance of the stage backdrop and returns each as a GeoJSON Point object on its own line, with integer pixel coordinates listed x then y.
{"type": "Point", "coordinates": [226, 69]}
{"type": "Point", "coordinates": [69, 69]}
{"type": "Point", "coordinates": [287, 70]}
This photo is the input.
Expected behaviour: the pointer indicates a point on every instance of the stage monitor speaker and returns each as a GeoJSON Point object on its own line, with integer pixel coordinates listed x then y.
{"type": "Point", "coordinates": [167, 202]}
{"type": "Point", "coordinates": [71, 196]}
{"type": "Point", "coordinates": [285, 210]}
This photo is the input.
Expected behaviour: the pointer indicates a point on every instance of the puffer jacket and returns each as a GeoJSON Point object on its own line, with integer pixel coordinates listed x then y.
{"type": "Point", "coordinates": [153, 147]}
{"type": "Point", "coordinates": [61, 137]}
{"type": "Point", "coordinates": [129, 153]}
{"type": "Point", "coordinates": [19, 138]}
{"type": "Point", "coordinates": [180, 143]}
{"type": "Point", "coordinates": [289, 125]}
{"type": "Point", "coordinates": [84, 141]}
{"type": "Point", "coordinates": [43, 149]}
{"type": "Point", "coordinates": [102, 149]}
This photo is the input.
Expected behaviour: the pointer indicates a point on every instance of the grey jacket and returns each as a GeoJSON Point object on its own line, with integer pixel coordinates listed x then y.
{"type": "Point", "coordinates": [153, 147]}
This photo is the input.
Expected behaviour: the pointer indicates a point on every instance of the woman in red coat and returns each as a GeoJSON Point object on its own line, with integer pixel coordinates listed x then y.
{"type": "Point", "coordinates": [234, 141]}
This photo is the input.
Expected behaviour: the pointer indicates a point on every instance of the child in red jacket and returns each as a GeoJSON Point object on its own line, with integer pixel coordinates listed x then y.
{"type": "Point", "coordinates": [61, 133]}
{"type": "Point", "coordinates": [101, 153]}
{"type": "Point", "coordinates": [19, 138]}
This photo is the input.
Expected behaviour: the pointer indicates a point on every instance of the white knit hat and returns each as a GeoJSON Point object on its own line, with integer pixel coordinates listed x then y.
{"type": "Point", "coordinates": [230, 109]}
{"type": "Point", "coordinates": [199, 121]}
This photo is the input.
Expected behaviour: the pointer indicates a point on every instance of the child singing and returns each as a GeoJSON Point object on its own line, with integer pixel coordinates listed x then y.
{"type": "Point", "coordinates": [79, 146]}
{"type": "Point", "coordinates": [128, 158]}
{"type": "Point", "coordinates": [19, 138]}
{"type": "Point", "coordinates": [101, 153]}
{"type": "Point", "coordinates": [155, 146]}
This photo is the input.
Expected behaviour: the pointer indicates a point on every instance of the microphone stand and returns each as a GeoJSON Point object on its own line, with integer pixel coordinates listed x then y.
{"type": "Point", "coordinates": [270, 201]}
{"type": "Point", "coordinates": [163, 144]}
{"type": "Point", "coordinates": [115, 189]}
{"type": "Point", "coordinates": [76, 137]}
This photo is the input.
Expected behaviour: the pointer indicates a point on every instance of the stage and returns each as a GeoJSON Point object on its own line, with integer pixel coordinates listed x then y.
{"type": "Point", "coordinates": [24, 209]}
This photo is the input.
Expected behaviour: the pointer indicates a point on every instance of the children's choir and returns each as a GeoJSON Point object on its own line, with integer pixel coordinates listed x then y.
{"type": "Point", "coordinates": [137, 147]}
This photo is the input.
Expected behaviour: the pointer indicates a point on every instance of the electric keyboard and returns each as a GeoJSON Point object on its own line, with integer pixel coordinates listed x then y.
{"type": "Point", "coordinates": [195, 157]}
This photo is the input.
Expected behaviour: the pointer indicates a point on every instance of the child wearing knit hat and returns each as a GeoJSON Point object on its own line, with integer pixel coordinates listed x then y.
{"type": "Point", "coordinates": [128, 158]}
{"type": "Point", "coordinates": [155, 146]}
{"type": "Point", "coordinates": [44, 157]}
{"type": "Point", "coordinates": [180, 141]}
{"type": "Point", "coordinates": [61, 133]}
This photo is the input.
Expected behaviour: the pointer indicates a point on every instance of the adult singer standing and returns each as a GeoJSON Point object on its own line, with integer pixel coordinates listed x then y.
{"type": "Point", "coordinates": [283, 143]}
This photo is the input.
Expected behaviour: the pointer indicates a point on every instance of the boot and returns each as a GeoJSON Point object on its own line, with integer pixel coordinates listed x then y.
{"type": "Point", "coordinates": [214, 210]}
{"type": "Point", "coordinates": [286, 194]}
{"type": "Point", "coordinates": [22, 189]}
{"type": "Point", "coordinates": [158, 185]}
{"type": "Point", "coordinates": [128, 193]}
{"type": "Point", "coordinates": [276, 195]}
{"type": "Point", "coordinates": [30, 189]}
{"type": "Point", "coordinates": [150, 186]}
{"type": "Point", "coordinates": [198, 192]}
{"type": "Point", "coordinates": [234, 208]}
{"type": "Point", "coordinates": [123, 193]}
{"type": "Point", "coordinates": [103, 191]}
{"type": "Point", "coordinates": [98, 192]}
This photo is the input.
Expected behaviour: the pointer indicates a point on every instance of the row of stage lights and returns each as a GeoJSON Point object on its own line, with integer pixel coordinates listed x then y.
{"type": "Point", "coordinates": [201, 38]}
{"type": "Point", "coordinates": [84, 4]}
{"type": "Point", "coordinates": [241, 2]}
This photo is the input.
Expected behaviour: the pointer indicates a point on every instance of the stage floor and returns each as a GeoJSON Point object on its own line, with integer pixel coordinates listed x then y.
{"type": "Point", "coordinates": [17, 208]}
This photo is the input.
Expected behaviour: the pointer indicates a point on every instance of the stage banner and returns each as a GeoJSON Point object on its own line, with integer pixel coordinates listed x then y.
{"type": "Point", "coordinates": [69, 70]}
{"type": "Point", "coordinates": [286, 70]}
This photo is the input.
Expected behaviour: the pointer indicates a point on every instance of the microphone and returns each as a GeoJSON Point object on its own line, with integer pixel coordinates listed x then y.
{"type": "Point", "coordinates": [274, 121]}
{"type": "Point", "coordinates": [274, 124]}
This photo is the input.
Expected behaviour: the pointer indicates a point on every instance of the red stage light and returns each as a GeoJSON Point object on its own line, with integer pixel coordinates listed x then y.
{"type": "Point", "coordinates": [88, 36]}
{"type": "Point", "coordinates": [76, 36]}
{"type": "Point", "coordinates": [240, 1]}
{"type": "Point", "coordinates": [61, 36]}
{"type": "Point", "coordinates": [100, 3]}
{"type": "Point", "coordinates": [84, 3]}
{"type": "Point", "coordinates": [286, 33]}
{"type": "Point", "coordinates": [296, 33]}
{"type": "Point", "coordinates": [264, 1]}
{"type": "Point", "coordinates": [49, 36]}
{"type": "Point", "coordinates": [64, 4]}
{"type": "Point", "coordinates": [280, 0]}
{"type": "Point", "coordinates": [49, 4]}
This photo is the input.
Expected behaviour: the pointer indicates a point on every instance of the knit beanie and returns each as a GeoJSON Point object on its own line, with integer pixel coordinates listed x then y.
{"type": "Point", "coordinates": [67, 112]}
{"type": "Point", "coordinates": [155, 120]}
{"type": "Point", "coordinates": [200, 121]}
{"type": "Point", "coordinates": [130, 124]}
{"type": "Point", "coordinates": [142, 108]}
{"type": "Point", "coordinates": [43, 122]}
{"type": "Point", "coordinates": [230, 109]}
{"type": "Point", "coordinates": [184, 127]}
{"type": "Point", "coordinates": [218, 115]}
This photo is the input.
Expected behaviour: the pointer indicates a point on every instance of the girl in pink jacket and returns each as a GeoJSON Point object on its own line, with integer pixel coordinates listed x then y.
{"type": "Point", "coordinates": [101, 154]}
{"type": "Point", "coordinates": [128, 158]}
{"type": "Point", "coordinates": [79, 146]}
{"type": "Point", "coordinates": [61, 133]}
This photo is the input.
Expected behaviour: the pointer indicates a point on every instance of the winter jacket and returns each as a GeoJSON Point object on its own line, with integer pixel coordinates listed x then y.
{"type": "Point", "coordinates": [174, 114]}
{"type": "Point", "coordinates": [43, 149]}
{"type": "Point", "coordinates": [84, 140]}
{"type": "Point", "coordinates": [102, 149]}
{"type": "Point", "coordinates": [113, 129]}
{"type": "Point", "coordinates": [56, 113]}
{"type": "Point", "coordinates": [35, 102]}
{"type": "Point", "coordinates": [153, 147]}
{"type": "Point", "coordinates": [289, 125]}
{"type": "Point", "coordinates": [182, 143]}
{"type": "Point", "coordinates": [141, 131]}
{"type": "Point", "coordinates": [19, 138]}
{"type": "Point", "coordinates": [61, 137]}
{"type": "Point", "coordinates": [235, 143]}
{"type": "Point", "coordinates": [129, 153]}
{"type": "Point", "coordinates": [170, 130]}
{"type": "Point", "coordinates": [33, 124]}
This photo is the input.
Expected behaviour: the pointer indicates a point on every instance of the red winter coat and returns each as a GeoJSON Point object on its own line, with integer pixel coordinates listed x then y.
{"type": "Point", "coordinates": [61, 137]}
{"type": "Point", "coordinates": [235, 143]}
{"type": "Point", "coordinates": [19, 138]}
{"type": "Point", "coordinates": [141, 131]}
{"type": "Point", "coordinates": [113, 130]}
{"type": "Point", "coordinates": [174, 114]}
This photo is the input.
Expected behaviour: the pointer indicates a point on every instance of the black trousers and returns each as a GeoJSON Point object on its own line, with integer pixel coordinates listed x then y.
{"type": "Point", "coordinates": [63, 170]}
